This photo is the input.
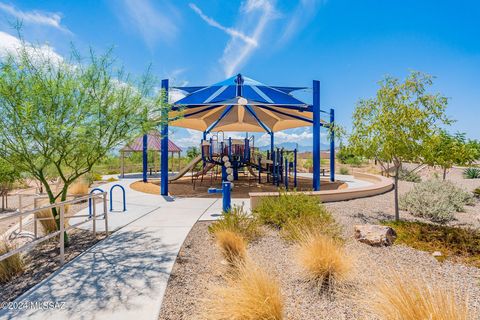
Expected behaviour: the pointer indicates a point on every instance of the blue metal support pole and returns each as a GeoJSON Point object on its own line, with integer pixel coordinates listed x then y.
{"type": "Point", "coordinates": [272, 140]}
{"type": "Point", "coordinates": [226, 203]}
{"type": "Point", "coordinates": [145, 157]}
{"type": "Point", "coordinates": [204, 135]}
{"type": "Point", "coordinates": [316, 135]}
{"type": "Point", "coordinates": [164, 141]}
{"type": "Point", "coordinates": [259, 170]}
{"type": "Point", "coordinates": [332, 145]}
{"type": "Point", "coordinates": [295, 168]}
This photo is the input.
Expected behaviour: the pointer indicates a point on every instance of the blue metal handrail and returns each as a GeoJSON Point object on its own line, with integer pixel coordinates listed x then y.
{"type": "Point", "coordinates": [90, 201]}
{"type": "Point", "coordinates": [111, 197]}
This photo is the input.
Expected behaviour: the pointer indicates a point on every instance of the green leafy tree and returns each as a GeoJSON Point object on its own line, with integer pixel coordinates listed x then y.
{"type": "Point", "coordinates": [446, 150]}
{"type": "Point", "coordinates": [65, 115]}
{"type": "Point", "coordinates": [8, 176]}
{"type": "Point", "coordinates": [192, 153]}
{"type": "Point", "coordinates": [393, 126]}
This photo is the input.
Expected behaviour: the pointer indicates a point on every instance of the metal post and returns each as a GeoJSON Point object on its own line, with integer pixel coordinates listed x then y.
{"type": "Point", "coordinates": [94, 217]}
{"type": "Point", "coordinates": [164, 145]}
{"type": "Point", "coordinates": [62, 234]}
{"type": "Point", "coordinates": [226, 186]}
{"type": "Point", "coordinates": [259, 170]}
{"type": "Point", "coordinates": [105, 212]}
{"type": "Point", "coordinates": [145, 157]}
{"type": "Point", "coordinates": [295, 168]}
{"type": "Point", "coordinates": [272, 142]}
{"type": "Point", "coordinates": [332, 145]}
{"type": "Point", "coordinates": [286, 173]}
{"type": "Point", "coordinates": [316, 135]}
{"type": "Point", "coordinates": [20, 210]}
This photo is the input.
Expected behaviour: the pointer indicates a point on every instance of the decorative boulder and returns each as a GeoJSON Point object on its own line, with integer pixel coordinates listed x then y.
{"type": "Point", "coordinates": [375, 235]}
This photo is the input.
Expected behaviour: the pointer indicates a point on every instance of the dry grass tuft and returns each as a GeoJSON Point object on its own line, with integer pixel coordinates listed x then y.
{"type": "Point", "coordinates": [48, 223]}
{"type": "Point", "coordinates": [237, 220]}
{"type": "Point", "coordinates": [232, 245]}
{"type": "Point", "coordinates": [403, 296]}
{"type": "Point", "coordinates": [11, 266]}
{"type": "Point", "coordinates": [324, 260]}
{"type": "Point", "coordinates": [295, 229]}
{"type": "Point", "coordinates": [251, 295]}
{"type": "Point", "coordinates": [78, 189]}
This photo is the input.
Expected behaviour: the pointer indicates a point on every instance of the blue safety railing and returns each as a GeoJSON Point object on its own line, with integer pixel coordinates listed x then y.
{"type": "Point", "coordinates": [123, 194]}
{"type": "Point", "coordinates": [90, 201]}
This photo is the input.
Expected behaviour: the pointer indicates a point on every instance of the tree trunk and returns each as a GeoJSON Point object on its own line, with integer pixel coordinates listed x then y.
{"type": "Point", "coordinates": [55, 212]}
{"type": "Point", "coordinates": [397, 211]}
{"type": "Point", "coordinates": [444, 173]}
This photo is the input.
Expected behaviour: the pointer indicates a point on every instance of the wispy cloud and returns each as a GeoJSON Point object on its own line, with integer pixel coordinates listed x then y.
{"type": "Point", "coordinates": [153, 23]}
{"type": "Point", "coordinates": [301, 16]}
{"type": "Point", "coordinates": [245, 36]}
{"type": "Point", "coordinates": [49, 19]}
{"type": "Point", "coordinates": [230, 31]}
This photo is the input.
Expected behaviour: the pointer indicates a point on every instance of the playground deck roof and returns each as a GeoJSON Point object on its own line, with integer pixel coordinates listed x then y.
{"type": "Point", "coordinates": [241, 104]}
{"type": "Point", "coordinates": [154, 139]}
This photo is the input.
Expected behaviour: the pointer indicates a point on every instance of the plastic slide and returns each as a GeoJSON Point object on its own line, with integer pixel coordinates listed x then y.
{"type": "Point", "coordinates": [189, 166]}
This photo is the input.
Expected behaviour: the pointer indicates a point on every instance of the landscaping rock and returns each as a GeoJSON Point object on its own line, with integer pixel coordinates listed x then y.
{"type": "Point", "coordinates": [437, 254]}
{"type": "Point", "coordinates": [375, 235]}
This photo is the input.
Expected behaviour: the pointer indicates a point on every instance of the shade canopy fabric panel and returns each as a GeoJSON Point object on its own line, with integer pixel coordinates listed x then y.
{"type": "Point", "coordinates": [154, 139]}
{"type": "Point", "coordinates": [240, 104]}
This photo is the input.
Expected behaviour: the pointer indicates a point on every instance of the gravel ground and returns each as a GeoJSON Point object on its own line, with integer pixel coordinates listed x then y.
{"type": "Point", "coordinates": [198, 265]}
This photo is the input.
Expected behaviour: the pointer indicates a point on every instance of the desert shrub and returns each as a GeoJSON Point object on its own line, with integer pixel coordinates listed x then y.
{"type": "Point", "coordinates": [112, 179]}
{"type": "Point", "coordinates": [252, 294]}
{"type": "Point", "coordinates": [354, 161]}
{"type": "Point", "coordinates": [232, 245]}
{"type": "Point", "coordinates": [238, 221]}
{"type": "Point", "coordinates": [78, 188]}
{"type": "Point", "coordinates": [435, 200]}
{"type": "Point", "coordinates": [295, 229]}
{"type": "Point", "coordinates": [323, 259]}
{"type": "Point", "coordinates": [471, 173]}
{"type": "Point", "coordinates": [276, 211]}
{"type": "Point", "coordinates": [407, 175]}
{"type": "Point", "coordinates": [11, 266]}
{"type": "Point", "coordinates": [456, 243]}
{"type": "Point", "coordinates": [344, 170]}
{"type": "Point", "coordinates": [405, 296]}
{"type": "Point", "coordinates": [476, 192]}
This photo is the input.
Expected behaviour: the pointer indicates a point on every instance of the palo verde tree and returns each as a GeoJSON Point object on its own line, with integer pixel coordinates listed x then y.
{"type": "Point", "coordinates": [65, 115]}
{"type": "Point", "coordinates": [8, 176]}
{"type": "Point", "coordinates": [393, 126]}
{"type": "Point", "coordinates": [446, 150]}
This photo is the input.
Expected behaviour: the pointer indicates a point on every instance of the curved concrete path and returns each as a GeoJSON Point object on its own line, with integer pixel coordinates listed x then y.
{"type": "Point", "coordinates": [125, 275]}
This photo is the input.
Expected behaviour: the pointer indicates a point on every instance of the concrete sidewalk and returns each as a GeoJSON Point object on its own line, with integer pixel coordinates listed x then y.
{"type": "Point", "coordinates": [125, 275]}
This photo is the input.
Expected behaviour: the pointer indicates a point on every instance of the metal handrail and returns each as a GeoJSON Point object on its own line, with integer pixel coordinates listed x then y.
{"type": "Point", "coordinates": [29, 246]}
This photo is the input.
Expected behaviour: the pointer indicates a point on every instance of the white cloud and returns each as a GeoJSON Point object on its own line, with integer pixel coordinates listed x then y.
{"type": "Point", "coordinates": [302, 15]}
{"type": "Point", "coordinates": [230, 31]}
{"type": "Point", "coordinates": [253, 18]}
{"type": "Point", "coordinates": [49, 19]}
{"type": "Point", "coordinates": [152, 24]}
{"type": "Point", "coordinates": [11, 45]}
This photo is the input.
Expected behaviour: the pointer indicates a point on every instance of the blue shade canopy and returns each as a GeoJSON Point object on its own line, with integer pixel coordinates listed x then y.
{"type": "Point", "coordinates": [241, 104]}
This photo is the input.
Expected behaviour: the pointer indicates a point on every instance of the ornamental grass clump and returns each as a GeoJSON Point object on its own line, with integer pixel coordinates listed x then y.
{"type": "Point", "coordinates": [405, 296]}
{"type": "Point", "coordinates": [232, 245]}
{"type": "Point", "coordinates": [238, 221]}
{"type": "Point", "coordinates": [471, 173]}
{"type": "Point", "coordinates": [436, 200]}
{"type": "Point", "coordinates": [277, 211]}
{"type": "Point", "coordinates": [11, 266]}
{"type": "Point", "coordinates": [323, 260]}
{"type": "Point", "coordinates": [78, 189]}
{"type": "Point", "coordinates": [409, 176]}
{"type": "Point", "coordinates": [249, 294]}
{"type": "Point", "coordinates": [47, 221]}
{"type": "Point", "coordinates": [296, 228]}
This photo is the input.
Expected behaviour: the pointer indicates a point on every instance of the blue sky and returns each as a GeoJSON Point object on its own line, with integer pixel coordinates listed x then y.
{"type": "Point", "coordinates": [348, 45]}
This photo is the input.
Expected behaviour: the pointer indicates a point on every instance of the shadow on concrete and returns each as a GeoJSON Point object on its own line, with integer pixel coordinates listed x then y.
{"type": "Point", "coordinates": [107, 278]}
